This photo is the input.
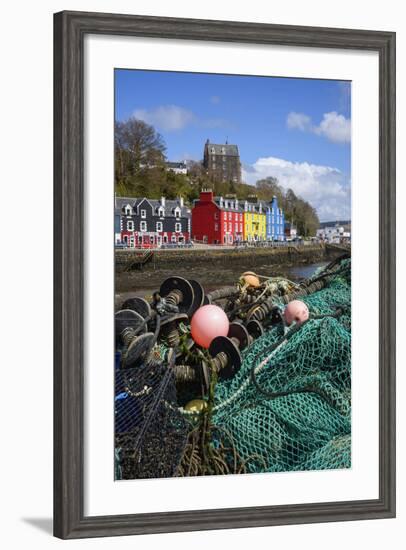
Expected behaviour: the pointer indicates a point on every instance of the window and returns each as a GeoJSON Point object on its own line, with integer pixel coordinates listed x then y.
{"type": "Point", "coordinates": [178, 227]}
{"type": "Point", "coordinates": [173, 238]}
{"type": "Point", "coordinates": [216, 227]}
{"type": "Point", "coordinates": [240, 217]}
{"type": "Point", "coordinates": [177, 213]}
{"type": "Point", "coordinates": [130, 225]}
{"type": "Point", "coordinates": [143, 226]}
{"type": "Point", "coordinates": [230, 227]}
{"type": "Point", "coordinates": [159, 226]}
{"type": "Point", "coordinates": [229, 215]}
{"type": "Point", "coordinates": [128, 210]}
{"type": "Point", "coordinates": [223, 150]}
{"type": "Point", "coordinates": [165, 238]}
{"type": "Point", "coordinates": [236, 227]}
{"type": "Point", "coordinates": [225, 215]}
{"type": "Point", "coordinates": [161, 212]}
{"type": "Point", "coordinates": [216, 216]}
{"type": "Point", "coordinates": [143, 213]}
{"type": "Point", "coordinates": [240, 227]}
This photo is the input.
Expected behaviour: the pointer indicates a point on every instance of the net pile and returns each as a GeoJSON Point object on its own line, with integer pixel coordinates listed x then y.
{"type": "Point", "coordinates": [150, 435]}
{"type": "Point", "coordinates": [291, 409]}
{"type": "Point", "coordinates": [288, 408]}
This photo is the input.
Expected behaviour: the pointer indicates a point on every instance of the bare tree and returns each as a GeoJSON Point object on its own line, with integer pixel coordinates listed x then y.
{"type": "Point", "coordinates": [137, 145]}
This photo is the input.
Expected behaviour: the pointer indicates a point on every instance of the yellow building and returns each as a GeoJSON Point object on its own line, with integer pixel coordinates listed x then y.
{"type": "Point", "coordinates": [254, 220]}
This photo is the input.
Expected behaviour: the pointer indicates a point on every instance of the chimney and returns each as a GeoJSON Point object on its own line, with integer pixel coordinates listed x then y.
{"type": "Point", "coordinates": [236, 204]}
{"type": "Point", "coordinates": [181, 202]}
{"type": "Point", "coordinates": [206, 195]}
{"type": "Point", "coordinates": [162, 201]}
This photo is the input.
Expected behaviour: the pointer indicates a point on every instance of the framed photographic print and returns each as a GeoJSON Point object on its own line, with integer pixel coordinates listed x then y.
{"type": "Point", "coordinates": [224, 274]}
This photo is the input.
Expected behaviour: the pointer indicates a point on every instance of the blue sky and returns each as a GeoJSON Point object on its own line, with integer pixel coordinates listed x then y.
{"type": "Point", "coordinates": [297, 130]}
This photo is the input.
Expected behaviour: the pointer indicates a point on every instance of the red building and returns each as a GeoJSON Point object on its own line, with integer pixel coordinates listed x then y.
{"type": "Point", "coordinates": [217, 220]}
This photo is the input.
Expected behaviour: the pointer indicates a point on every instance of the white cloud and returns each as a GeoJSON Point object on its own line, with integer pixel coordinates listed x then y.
{"type": "Point", "coordinates": [299, 121]}
{"type": "Point", "coordinates": [171, 118]}
{"type": "Point", "coordinates": [334, 127]}
{"type": "Point", "coordinates": [166, 117]}
{"type": "Point", "coordinates": [324, 187]}
{"type": "Point", "coordinates": [215, 99]}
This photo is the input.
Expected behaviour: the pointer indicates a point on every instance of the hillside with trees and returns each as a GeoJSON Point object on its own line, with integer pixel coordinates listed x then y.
{"type": "Point", "coordinates": [140, 171]}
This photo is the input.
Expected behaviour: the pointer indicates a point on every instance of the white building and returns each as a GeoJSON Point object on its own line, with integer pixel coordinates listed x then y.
{"type": "Point", "coordinates": [333, 234]}
{"type": "Point", "coordinates": [177, 167]}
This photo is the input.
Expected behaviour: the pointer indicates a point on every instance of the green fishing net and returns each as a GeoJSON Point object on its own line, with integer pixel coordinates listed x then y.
{"type": "Point", "coordinates": [295, 412]}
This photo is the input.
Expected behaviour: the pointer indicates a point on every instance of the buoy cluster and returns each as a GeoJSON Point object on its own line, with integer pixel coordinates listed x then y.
{"type": "Point", "coordinates": [201, 333]}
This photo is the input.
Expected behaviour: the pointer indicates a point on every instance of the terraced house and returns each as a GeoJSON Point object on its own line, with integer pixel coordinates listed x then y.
{"type": "Point", "coordinates": [150, 223]}
{"type": "Point", "coordinates": [217, 220]}
{"type": "Point", "coordinates": [275, 221]}
{"type": "Point", "coordinates": [254, 219]}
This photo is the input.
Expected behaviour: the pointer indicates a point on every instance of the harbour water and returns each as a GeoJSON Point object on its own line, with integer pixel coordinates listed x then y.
{"type": "Point", "coordinates": [145, 283]}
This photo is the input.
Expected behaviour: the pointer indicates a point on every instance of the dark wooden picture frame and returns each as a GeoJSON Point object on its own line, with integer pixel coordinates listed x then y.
{"type": "Point", "coordinates": [70, 29]}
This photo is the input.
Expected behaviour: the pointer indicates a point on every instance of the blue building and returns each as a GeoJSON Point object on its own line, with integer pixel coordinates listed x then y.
{"type": "Point", "coordinates": [275, 221]}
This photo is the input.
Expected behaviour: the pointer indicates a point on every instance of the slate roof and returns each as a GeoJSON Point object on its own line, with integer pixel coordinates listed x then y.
{"type": "Point", "coordinates": [169, 207]}
{"type": "Point", "coordinates": [229, 149]}
{"type": "Point", "coordinates": [171, 164]}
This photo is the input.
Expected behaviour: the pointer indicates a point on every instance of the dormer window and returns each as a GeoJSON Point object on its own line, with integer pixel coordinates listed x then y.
{"type": "Point", "coordinates": [223, 150]}
{"type": "Point", "coordinates": [177, 212]}
{"type": "Point", "coordinates": [161, 212]}
{"type": "Point", "coordinates": [128, 210]}
{"type": "Point", "coordinates": [213, 151]}
{"type": "Point", "coordinates": [143, 214]}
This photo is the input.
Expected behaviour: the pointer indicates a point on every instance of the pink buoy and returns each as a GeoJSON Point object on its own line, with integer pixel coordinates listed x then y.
{"type": "Point", "coordinates": [207, 323]}
{"type": "Point", "coordinates": [296, 311]}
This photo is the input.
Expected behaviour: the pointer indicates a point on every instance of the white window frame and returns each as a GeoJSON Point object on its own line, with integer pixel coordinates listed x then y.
{"type": "Point", "coordinates": [161, 212]}
{"type": "Point", "coordinates": [143, 214]}
{"type": "Point", "coordinates": [178, 227]}
{"type": "Point", "coordinates": [130, 225]}
{"type": "Point", "coordinates": [143, 226]}
{"type": "Point", "coordinates": [173, 239]}
{"type": "Point", "coordinates": [128, 210]}
{"type": "Point", "coordinates": [159, 226]}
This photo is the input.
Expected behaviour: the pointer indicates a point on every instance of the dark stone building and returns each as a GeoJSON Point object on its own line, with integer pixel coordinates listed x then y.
{"type": "Point", "coordinates": [222, 162]}
{"type": "Point", "coordinates": [149, 223]}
